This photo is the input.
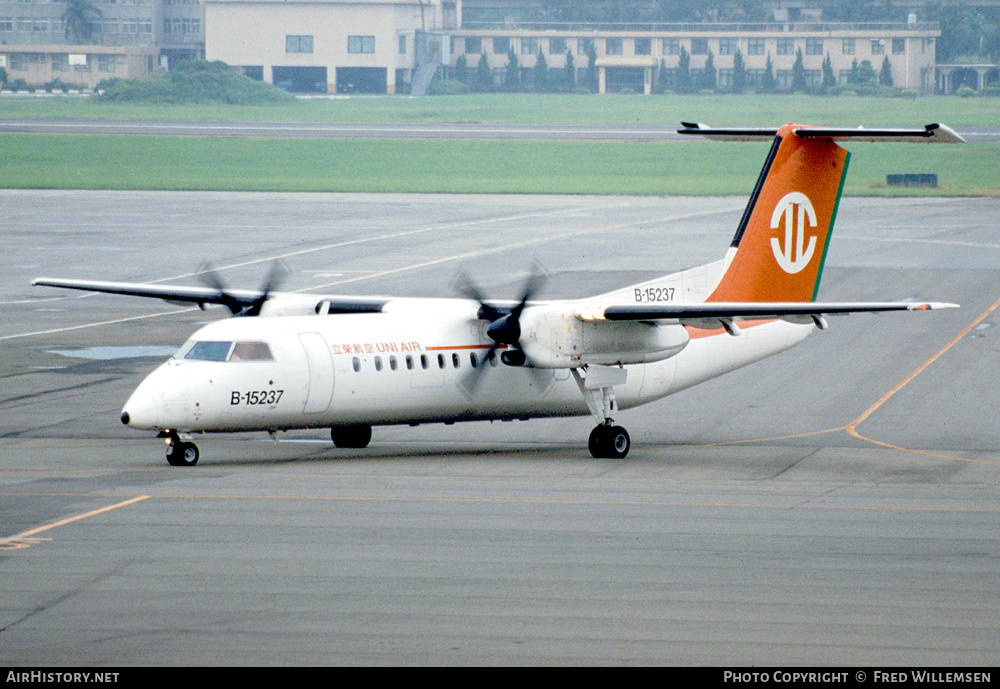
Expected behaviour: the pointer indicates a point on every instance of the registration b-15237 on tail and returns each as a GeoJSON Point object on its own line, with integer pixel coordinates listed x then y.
{"type": "Point", "coordinates": [292, 361]}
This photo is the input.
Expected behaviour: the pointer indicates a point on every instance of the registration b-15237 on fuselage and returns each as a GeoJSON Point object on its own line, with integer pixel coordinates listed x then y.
{"type": "Point", "coordinates": [291, 361]}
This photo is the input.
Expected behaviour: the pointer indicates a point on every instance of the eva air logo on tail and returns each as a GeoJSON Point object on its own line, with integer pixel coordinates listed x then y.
{"type": "Point", "coordinates": [795, 254]}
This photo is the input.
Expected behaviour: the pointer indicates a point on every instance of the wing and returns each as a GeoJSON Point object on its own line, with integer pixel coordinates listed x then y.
{"type": "Point", "coordinates": [234, 300]}
{"type": "Point", "coordinates": [723, 314]}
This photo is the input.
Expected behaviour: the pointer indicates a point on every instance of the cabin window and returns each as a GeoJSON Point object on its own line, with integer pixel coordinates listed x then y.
{"type": "Point", "coordinates": [378, 363]}
{"type": "Point", "coordinates": [454, 360]}
{"type": "Point", "coordinates": [251, 351]}
{"type": "Point", "coordinates": [423, 362]}
{"type": "Point", "coordinates": [440, 360]}
{"type": "Point", "coordinates": [409, 362]}
{"type": "Point", "coordinates": [393, 364]}
{"type": "Point", "coordinates": [473, 360]}
{"type": "Point", "coordinates": [356, 362]}
{"type": "Point", "coordinates": [209, 351]}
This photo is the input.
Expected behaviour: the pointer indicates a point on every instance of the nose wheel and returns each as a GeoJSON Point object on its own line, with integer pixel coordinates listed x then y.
{"type": "Point", "coordinates": [181, 453]}
{"type": "Point", "coordinates": [609, 442]}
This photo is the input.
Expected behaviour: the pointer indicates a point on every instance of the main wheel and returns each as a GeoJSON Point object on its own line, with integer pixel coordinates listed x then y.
{"type": "Point", "coordinates": [356, 436]}
{"type": "Point", "coordinates": [609, 442]}
{"type": "Point", "coordinates": [182, 454]}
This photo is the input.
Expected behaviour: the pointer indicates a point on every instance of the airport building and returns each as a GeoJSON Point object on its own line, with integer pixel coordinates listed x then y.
{"type": "Point", "coordinates": [40, 43]}
{"type": "Point", "coordinates": [397, 46]}
{"type": "Point", "coordinates": [384, 46]}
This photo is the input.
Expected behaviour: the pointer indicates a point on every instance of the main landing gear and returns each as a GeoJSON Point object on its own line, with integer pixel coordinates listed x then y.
{"type": "Point", "coordinates": [607, 441]}
{"type": "Point", "coordinates": [180, 453]}
{"type": "Point", "coordinates": [354, 436]}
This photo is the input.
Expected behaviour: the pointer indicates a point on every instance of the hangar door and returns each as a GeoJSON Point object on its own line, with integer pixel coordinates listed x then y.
{"type": "Point", "coordinates": [300, 79]}
{"type": "Point", "coordinates": [362, 80]}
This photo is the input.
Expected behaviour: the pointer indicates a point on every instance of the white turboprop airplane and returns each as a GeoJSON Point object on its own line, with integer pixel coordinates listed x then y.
{"type": "Point", "coordinates": [291, 361]}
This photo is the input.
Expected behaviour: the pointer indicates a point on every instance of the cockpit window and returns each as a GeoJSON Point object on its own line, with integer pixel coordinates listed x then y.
{"type": "Point", "coordinates": [209, 351]}
{"type": "Point", "coordinates": [251, 351]}
{"type": "Point", "coordinates": [220, 351]}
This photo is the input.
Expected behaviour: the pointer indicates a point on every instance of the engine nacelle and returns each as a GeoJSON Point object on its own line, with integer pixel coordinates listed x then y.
{"type": "Point", "coordinates": [558, 339]}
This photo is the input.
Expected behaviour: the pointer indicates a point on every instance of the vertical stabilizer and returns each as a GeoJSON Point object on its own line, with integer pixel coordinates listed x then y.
{"type": "Point", "coordinates": [780, 245]}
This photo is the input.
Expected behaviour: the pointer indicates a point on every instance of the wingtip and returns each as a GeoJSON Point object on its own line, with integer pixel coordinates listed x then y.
{"type": "Point", "coordinates": [933, 306]}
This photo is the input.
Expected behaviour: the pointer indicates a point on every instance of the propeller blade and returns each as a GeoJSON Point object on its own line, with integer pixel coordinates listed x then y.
{"type": "Point", "coordinates": [242, 305]}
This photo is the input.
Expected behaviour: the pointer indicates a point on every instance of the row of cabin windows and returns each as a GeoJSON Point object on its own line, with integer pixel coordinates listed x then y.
{"type": "Point", "coordinates": [424, 361]}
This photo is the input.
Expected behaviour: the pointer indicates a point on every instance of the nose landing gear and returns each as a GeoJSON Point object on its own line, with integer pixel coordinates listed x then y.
{"type": "Point", "coordinates": [180, 453]}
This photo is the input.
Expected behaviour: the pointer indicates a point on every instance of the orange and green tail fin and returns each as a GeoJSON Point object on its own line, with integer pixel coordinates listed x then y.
{"type": "Point", "coordinates": [778, 252]}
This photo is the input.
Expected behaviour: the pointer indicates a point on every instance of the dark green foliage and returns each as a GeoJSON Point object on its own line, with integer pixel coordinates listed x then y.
{"type": "Point", "coordinates": [197, 81]}
{"type": "Point", "coordinates": [799, 73]}
{"type": "Point", "coordinates": [739, 73]}
{"type": "Point", "coordinates": [484, 76]}
{"type": "Point", "coordinates": [885, 74]}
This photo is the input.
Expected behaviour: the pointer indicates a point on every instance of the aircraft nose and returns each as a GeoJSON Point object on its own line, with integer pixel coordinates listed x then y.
{"type": "Point", "coordinates": [141, 411]}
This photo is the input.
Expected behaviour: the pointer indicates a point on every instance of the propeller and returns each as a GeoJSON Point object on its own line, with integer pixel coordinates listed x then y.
{"type": "Point", "coordinates": [243, 304]}
{"type": "Point", "coordinates": [505, 323]}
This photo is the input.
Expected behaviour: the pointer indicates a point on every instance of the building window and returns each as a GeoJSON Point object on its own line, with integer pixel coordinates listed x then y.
{"type": "Point", "coordinates": [671, 46]}
{"type": "Point", "coordinates": [473, 45]}
{"type": "Point", "coordinates": [6, 23]}
{"type": "Point", "coordinates": [786, 46]}
{"type": "Point", "coordinates": [557, 46]}
{"type": "Point", "coordinates": [19, 62]}
{"type": "Point", "coordinates": [845, 76]}
{"type": "Point", "coordinates": [106, 63]}
{"type": "Point", "coordinates": [814, 78]}
{"type": "Point", "coordinates": [784, 78]}
{"type": "Point", "coordinates": [60, 62]}
{"type": "Point", "coordinates": [298, 44]}
{"type": "Point", "coordinates": [878, 46]}
{"type": "Point", "coordinates": [643, 46]}
{"type": "Point", "coordinates": [725, 78]}
{"type": "Point", "coordinates": [360, 44]}
{"type": "Point", "coordinates": [814, 46]}
{"type": "Point", "coordinates": [848, 46]}
{"type": "Point", "coordinates": [699, 46]}
{"type": "Point", "coordinates": [898, 46]}
{"type": "Point", "coordinates": [755, 46]}
{"type": "Point", "coordinates": [613, 46]}
{"type": "Point", "coordinates": [501, 45]}
{"type": "Point", "coordinates": [402, 45]}
{"type": "Point", "coordinates": [529, 46]}
{"type": "Point", "coordinates": [727, 46]}
{"type": "Point", "coordinates": [584, 45]}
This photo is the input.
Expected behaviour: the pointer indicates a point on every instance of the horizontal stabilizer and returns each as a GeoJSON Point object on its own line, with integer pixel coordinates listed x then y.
{"type": "Point", "coordinates": [931, 133]}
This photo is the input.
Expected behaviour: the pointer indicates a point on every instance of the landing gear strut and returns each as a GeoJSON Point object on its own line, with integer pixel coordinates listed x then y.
{"type": "Point", "coordinates": [181, 453]}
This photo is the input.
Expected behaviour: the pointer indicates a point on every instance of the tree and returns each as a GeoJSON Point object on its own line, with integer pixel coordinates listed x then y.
{"type": "Point", "coordinates": [829, 78]}
{"type": "Point", "coordinates": [768, 84]}
{"type": "Point", "coordinates": [885, 74]}
{"type": "Point", "coordinates": [569, 71]}
{"type": "Point", "coordinates": [461, 69]}
{"type": "Point", "coordinates": [799, 73]}
{"type": "Point", "coordinates": [739, 73]}
{"type": "Point", "coordinates": [512, 75]}
{"type": "Point", "coordinates": [484, 75]}
{"type": "Point", "coordinates": [862, 73]}
{"type": "Point", "coordinates": [540, 75]}
{"type": "Point", "coordinates": [707, 78]}
{"type": "Point", "coordinates": [79, 20]}
{"type": "Point", "coordinates": [682, 82]}
{"type": "Point", "coordinates": [590, 77]}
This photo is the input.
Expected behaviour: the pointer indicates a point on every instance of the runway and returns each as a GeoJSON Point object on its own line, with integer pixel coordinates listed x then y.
{"type": "Point", "coordinates": [836, 505]}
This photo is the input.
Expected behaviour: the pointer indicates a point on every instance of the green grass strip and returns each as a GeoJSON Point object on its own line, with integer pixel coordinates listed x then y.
{"type": "Point", "coordinates": [682, 168]}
